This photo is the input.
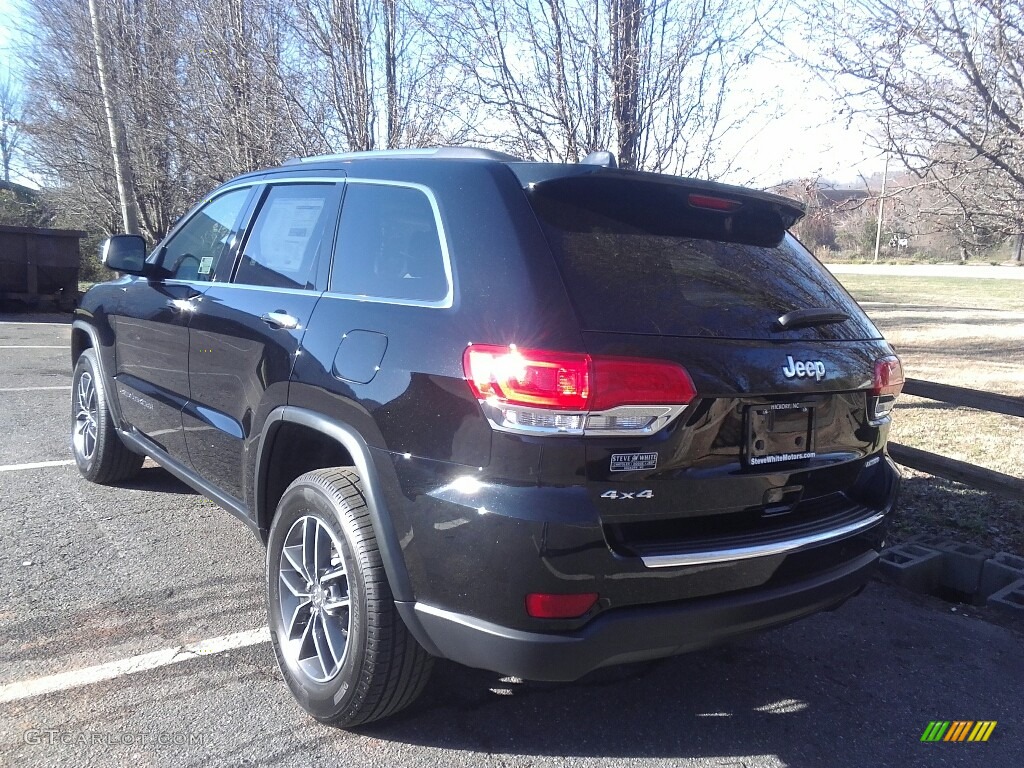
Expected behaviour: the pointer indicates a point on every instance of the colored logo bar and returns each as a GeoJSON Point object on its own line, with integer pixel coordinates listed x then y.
{"type": "Point", "coordinates": [958, 730]}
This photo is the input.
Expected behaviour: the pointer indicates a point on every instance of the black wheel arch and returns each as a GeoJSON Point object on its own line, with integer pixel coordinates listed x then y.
{"type": "Point", "coordinates": [358, 451]}
{"type": "Point", "coordinates": [87, 336]}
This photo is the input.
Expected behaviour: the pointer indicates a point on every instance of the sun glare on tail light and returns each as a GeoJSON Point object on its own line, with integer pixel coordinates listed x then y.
{"type": "Point", "coordinates": [528, 377]}
{"type": "Point", "coordinates": [527, 390]}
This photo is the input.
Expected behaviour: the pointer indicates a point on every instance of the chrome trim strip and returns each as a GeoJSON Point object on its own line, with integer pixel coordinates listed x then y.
{"type": "Point", "coordinates": [444, 303]}
{"type": "Point", "coordinates": [761, 550]}
{"type": "Point", "coordinates": [274, 181]}
{"type": "Point", "coordinates": [250, 287]}
{"type": "Point", "coordinates": [669, 413]}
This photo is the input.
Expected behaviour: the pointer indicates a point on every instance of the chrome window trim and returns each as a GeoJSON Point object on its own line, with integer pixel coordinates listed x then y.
{"type": "Point", "coordinates": [447, 302]}
{"type": "Point", "coordinates": [265, 288]}
{"type": "Point", "coordinates": [274, 181]}
{"type": "Point", "coordinates": [761, 550]}
{"type": "Point", "coordinates": [443, 303]}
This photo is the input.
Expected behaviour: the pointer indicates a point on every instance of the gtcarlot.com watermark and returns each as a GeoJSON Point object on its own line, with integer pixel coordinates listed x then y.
{"type": "Point", "coordinates": [140, 739]}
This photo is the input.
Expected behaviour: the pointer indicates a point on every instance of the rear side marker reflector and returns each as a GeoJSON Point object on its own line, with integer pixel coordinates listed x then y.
{"type": "Point", "coordinates": [525, 390]}
{"type": "Point", "coordinates": [541, 605]}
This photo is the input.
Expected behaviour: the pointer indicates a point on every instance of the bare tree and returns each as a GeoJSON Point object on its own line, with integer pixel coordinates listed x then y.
{"type": "Point", "coordinates": [943, 79]}
{"type": "Point", "coordinates": [196, 86]}
{"type": "Point", "coordinates": [650, 78]}
{"type": "Point", "coordinates": [374, 73]}
{"type": "Point", "coordinates": [11, 115]}
{"type": "Point", "coordinates": [115, 128]}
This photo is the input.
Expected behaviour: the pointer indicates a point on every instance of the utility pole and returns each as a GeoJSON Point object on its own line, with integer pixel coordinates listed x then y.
{"type": "Point", "coordinates": [881, 204]}
{"type": "Point", "coordinates": [118, 142]}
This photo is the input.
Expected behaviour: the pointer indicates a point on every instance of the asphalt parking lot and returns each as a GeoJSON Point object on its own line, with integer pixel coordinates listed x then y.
{"type": "Point", "coordinates": [117, 602]}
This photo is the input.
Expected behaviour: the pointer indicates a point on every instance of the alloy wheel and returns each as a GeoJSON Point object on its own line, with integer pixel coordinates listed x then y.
{"type": "Point", "coordinates": [86, 417]}
{"type": "Point", "coordinates": [314, 599]}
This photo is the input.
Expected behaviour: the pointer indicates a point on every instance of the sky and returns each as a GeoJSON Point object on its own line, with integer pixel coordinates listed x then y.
{"type": "Point", "coordinates": [807, 139]}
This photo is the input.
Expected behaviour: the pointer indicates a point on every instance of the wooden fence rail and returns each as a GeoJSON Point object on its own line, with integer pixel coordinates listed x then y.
{"type": "Point", "coordinates": [952, 469]}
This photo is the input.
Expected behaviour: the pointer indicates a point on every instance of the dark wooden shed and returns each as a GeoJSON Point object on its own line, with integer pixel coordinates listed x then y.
{"type": "Point", "coordinates": [39, 265]}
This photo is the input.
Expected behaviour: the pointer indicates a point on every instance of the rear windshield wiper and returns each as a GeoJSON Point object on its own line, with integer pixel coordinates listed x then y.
{"type": "Point", "coordinates": [802, 318]}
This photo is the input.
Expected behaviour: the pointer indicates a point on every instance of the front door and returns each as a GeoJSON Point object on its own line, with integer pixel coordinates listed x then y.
{"type": "Point", "coordinates": [245, 334]}
{"type": "Point", "coordinates": [153, 316]}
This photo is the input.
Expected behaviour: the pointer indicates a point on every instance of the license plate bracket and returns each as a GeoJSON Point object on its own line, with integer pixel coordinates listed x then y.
{"type": "Point", "coordinates": [779, 432]}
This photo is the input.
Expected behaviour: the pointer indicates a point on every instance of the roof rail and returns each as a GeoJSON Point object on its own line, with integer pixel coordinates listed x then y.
{"type": "Point", "coordinates": [439, 152]}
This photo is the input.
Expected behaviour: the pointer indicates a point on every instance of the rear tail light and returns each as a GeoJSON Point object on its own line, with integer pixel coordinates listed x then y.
{"type": "Point", "coordinates": [521, 377]}
{"type": "Point", "coordinates": [886, 387]}
{"type": "Point", "coordinates": [526, 390]}
{"type": "Point", "coordinates": [540, 605]}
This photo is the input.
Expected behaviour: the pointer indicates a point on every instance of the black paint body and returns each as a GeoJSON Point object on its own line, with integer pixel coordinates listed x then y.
{"type": "Point", "coordinates": [203, 381]}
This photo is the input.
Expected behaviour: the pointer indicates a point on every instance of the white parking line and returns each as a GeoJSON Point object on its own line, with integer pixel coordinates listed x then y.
{"type": "Point", "coordinates": [19, 322]}
{"type": "Point", "coordinates": [36, 465]}
{"type": "Point", "coordinates": [33, 389]}
{"type": "Point", "coordinates": [65, 680]}
{"type": "Point", "coordinates": [33, 346]}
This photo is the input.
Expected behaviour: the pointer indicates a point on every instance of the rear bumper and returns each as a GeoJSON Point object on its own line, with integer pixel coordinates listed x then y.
{"type": "Point", "coordinates": [630, 634]}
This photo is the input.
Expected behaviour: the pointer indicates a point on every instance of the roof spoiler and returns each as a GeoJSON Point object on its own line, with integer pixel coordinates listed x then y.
{"type": "Point", "coordinates": [658, 204]}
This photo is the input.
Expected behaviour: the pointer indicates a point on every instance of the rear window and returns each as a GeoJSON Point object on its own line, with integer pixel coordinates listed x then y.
{"type": "Point", "coordinates": [633, 266]}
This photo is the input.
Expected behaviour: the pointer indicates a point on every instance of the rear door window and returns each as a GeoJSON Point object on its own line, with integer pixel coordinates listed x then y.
{"type": "Point", "coordinates": [283, 243]}
{"type": "Point", "coordinates": [629, 266]}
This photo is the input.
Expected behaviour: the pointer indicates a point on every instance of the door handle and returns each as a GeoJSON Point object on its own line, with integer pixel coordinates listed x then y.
{"type": "Point", "coordinates": [280, 319]}
{"type": "Point", "coordinates": [185, 305]}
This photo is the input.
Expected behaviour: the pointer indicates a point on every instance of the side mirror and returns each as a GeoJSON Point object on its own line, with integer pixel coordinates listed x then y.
{"type": "Point", "coordinates": [124, 253]}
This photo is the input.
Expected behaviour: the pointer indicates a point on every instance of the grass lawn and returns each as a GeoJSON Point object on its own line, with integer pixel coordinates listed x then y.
{"type": "Point", "coordinates": [967, 332]}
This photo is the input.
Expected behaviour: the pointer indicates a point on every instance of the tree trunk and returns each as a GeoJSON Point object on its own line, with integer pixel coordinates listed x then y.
{"type": "Point", "coordinates": [118, 142]}
{"type": "Point", "coordinates": [390, 73]}
{"type": "Point", "coordinates": [624, 27]}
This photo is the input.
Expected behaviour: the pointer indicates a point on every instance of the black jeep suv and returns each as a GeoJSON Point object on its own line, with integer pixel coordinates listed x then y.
{"type": "Point", "coordinates": [535, 418]}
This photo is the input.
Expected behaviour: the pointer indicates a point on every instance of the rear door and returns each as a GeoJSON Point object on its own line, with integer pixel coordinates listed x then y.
{"type": "Point", "coordinates": [153, 316]}
{"type": "Point", "coordinates": [246, 332]}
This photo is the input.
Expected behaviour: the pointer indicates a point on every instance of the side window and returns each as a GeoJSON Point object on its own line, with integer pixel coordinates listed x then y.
{"type": "Point", "coordinates": [197, 249]}
{"type": "Point", "coordinates": [388, 245]}
{"type": "Point", "coordinates": [281, 249]}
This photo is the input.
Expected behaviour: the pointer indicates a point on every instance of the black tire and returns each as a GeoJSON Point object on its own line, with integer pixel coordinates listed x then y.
{"type": "Point", "coordinates": [99, 453]}
{"type": "Point", "coordinates": [380, 669]}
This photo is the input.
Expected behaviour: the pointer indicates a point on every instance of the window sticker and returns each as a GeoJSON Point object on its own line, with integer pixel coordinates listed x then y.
{"type": "Point", "coordinates": [205, 265]}
{"type": "Point", "coordinates": [286, 230]}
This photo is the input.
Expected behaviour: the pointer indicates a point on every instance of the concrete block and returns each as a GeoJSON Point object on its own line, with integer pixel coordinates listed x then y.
{"type": "Point", "coordinates": [932, 540]}
{"type": "Point", "coordinates": [1010, 598]}
{"type": "Point", "coordinates": [915, 567]}
{"type": "Point", "coordinates": [998, 571]}
{"type": "Point", "coordinates": [961, 567]}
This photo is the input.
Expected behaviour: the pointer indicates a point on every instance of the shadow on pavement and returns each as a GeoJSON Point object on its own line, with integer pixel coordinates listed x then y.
{"type": "Point", "coordinates": [836, 689]}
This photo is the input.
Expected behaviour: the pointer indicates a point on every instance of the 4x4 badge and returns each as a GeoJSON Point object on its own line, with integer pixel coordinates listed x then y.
{"type": "Point", "coordinates": [803, 369]}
